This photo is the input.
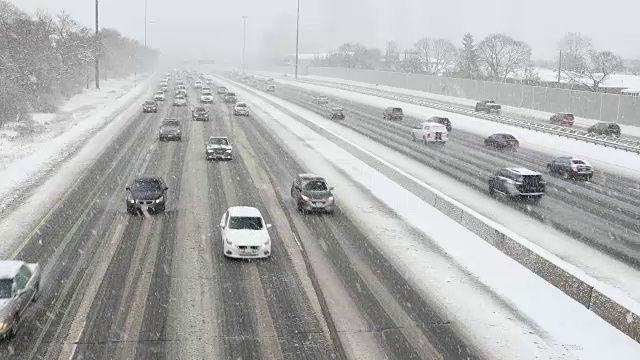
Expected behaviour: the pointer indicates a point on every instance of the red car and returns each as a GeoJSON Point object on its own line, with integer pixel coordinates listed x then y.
{"type": "Point", "coordinates": [565, 119]}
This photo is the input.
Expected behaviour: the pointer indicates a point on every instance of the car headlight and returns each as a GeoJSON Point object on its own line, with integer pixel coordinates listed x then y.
{"type": "Point", "coordinates": [267, 242]}
{"type": "Point", "coordinates": [4, 325]}
{"type": "Point", "coordinates": [178, 131]}
{"type": "Point", "coordinates": [228, 151]}
{"type": "Point", "coordinates": [131, 201]}
{"type": "Point", "coordinates": [330, 199]}
{"type": "Point", "coordinates": [159, 199]}
{"type": "Point", "coordinates": [228, 242]}
{"type": "Point", "coordinates": [161, 131]}
{"type": "Point", "coordinates": [305, 198]}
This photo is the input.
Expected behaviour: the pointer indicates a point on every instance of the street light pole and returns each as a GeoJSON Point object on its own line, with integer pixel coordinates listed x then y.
{"type": "Point", "coordinates": [297, 37]}
{"type": "Point", "coordinates": [97, 51]}
{"type": "Point", "coordinates": [244, 40]}
{"type": "Point", "coordinates": [145, 24]}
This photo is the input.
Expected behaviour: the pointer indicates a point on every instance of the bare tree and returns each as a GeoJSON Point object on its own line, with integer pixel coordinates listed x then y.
{"type": "Point", "coordinates": [599, 68]}
{"type": "Point", "coordinates": [392, 55]}
{"type": "Point", "coordinates": [502, 56]}
{"type": "Point", "coordinates": [422, 48]}
{"type": "Point", "coordinates": [444, 56]}
{"type": "Point", "coordinates": [576, 49]}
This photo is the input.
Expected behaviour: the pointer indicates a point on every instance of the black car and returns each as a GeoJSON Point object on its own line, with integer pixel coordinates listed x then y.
{"type": "Point", "coordinates": [441, 120]}
{"type": "Point", "coordinates": [200, 114]}
{"type": "Point", "coordinates": [147, 192]}
{"type": "Point", "coordinates": [502, 141]}
{"type": "Point", "coordinates": [570, 168]}
{"type": "Point", "coordinates": [230, 98]}
{"type": "Point", "coordinates": [605, 128]}
{"type": "Point", "coordinates": [336, 113]}
{"type": "Point", "coordinates": [149, 106]}
{"type": "Point", "coordinates": [311, 193]}
{"type": "Point", "coordinates": [393, 113]}
{"type": "Point", "coordinates": [518, 184]}
{"type": "Point", "coordinates": [170, 129]}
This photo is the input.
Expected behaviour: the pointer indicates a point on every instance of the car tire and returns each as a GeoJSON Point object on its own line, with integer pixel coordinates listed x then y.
{"type": "Point", "coordinates": [16, 326]}
{"type": "Point", "coordinates": [424, 140]}
{"type": "Point", "coordinates": [413, 137]}
{"type": "Point", "coordinates": [492, 191]}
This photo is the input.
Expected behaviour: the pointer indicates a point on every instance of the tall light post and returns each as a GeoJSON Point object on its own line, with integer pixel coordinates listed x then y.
{"type": "Point", "coordinates": [145, 24]}
{"type": "Point", "coordinates": [97, 51]}
{"type": "Point", "coordinates": [244, 40]}
{"type": "Point", "coordinates": [297, 37]}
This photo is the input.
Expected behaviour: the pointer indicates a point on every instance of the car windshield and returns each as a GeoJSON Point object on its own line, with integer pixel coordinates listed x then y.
{"type": "Point", "coordinates": [218, 141]}
{"type": "Point", "coordinates": [159, 92]}
{"type": "Point", "coordinates": [145, 185]}
{"type": "Point", "coordinates": [578, 162]}
{"type": "Point", "coordinates": [179, 97]}
{"type": "Point", "coordinates": [315, 185]}
{"type": "Point", "coordinates": [171, 123]}
{"type": "Point", "coordinates": [230, 94]}
{"type": "Point", "coordinates": [149, 102]}
{"type": "Point", "coordinates": [245, 223]}
{"type": "Point", "coordinates": [241, 105]}
{"type": "Point", "coordinates": [396, 110]}
{"type": "Point", "coordinates": [200, 110]}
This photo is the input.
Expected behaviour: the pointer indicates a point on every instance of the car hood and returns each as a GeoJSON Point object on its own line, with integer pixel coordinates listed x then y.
{"type": "Point", "coordinates": [317, 195]}
{"type": "Point", "coordinates": [218, 147]}
{"type": "Point", "coordinates": [242, 109]}
{"type": "Point", "coordinates": [170, 128]}
{"type": "Point", "coordinates": [146, 195]}
{"type": "Point", "coordinates": [247, 237]}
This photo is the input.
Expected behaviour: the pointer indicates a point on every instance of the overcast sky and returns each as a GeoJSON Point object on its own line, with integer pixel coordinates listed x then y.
{"type": "Point", "coordinates": [213, 28]}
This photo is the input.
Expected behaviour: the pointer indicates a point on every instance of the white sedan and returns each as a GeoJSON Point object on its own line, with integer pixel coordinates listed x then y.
{"type": "Point", "coordinates": [19, 285]}
{"type": "Point", "coordinates": [244, 233]}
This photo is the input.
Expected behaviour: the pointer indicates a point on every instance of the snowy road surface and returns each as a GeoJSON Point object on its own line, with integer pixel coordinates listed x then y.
{"type": "Point", "coordinates": [124, 287]}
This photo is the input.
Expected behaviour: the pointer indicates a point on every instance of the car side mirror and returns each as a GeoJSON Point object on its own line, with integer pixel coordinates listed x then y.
{"type": "Point", "coordinates": [166, 188]}
{"type": "Point", "coordinates": [269, 226]}
{"type": "Point", "coordinates": [128, 188]}
{"type": "Point", "coordinates": [331, 188]}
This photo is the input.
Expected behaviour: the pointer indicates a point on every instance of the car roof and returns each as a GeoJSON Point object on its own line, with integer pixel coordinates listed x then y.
{"type": "Point", "coordinates": [241, 103]}
{"type": "Point", "coordinates": [337, 109]}
{"type": "Point", "coordinates": [434, 124]}
{"type": "Point", "coordinates": [310, 176]}
{"type": "Point", "coordinates": [147, 178]}
{"type": "Point", "coordinates": [170, 119]}
{"type": "Point", "coordinates": [523, 171]}
{"type": "Point", "coordinates": [9, 268]}
{"type": "Point", "coordinates": [218, 137]}
{"type": "Point", "coordinates": [244, 211]}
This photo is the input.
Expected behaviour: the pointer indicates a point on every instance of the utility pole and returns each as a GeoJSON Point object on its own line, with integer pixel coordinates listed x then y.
{"type": "Point", "coordinates": [297, 37]}
{"type": "Point", "coordinates": [97, 51]}
{"type": "Point", "coordinates": [559, 66]}
{"type": "Point", "coordinates": [145, 24]}
{"type": "Point", "coordinates": [244, 40]}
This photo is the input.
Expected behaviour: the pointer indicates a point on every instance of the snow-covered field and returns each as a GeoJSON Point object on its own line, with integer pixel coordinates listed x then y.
{"type": "Point", "coordinates": [602, 157]}
{"type": "Point", "coordinates": [547, 324]}
{"type": "Point", "coordinates": [26, 156]}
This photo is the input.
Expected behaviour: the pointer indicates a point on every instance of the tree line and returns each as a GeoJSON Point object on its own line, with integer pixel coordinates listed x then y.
{"type": "Point", "coordinates": [44, 59]}
{"type": "Point", "coordinates": [497, 57]}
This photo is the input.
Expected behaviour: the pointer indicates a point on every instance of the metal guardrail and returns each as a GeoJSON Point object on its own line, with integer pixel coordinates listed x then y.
{"type": "Point", "coordinates": [608, 141]}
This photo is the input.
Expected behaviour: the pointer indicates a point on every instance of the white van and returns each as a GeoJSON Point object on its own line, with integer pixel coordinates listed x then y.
{"type": "Point", "coordinates": [429, 132]}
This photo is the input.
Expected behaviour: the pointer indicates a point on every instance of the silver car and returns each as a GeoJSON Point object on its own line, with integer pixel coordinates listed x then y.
{"type": "Point", "coordinates": [19, 285]}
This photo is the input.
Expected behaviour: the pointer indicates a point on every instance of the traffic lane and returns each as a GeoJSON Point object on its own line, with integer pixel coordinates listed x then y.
{"type": "Point", "coordinates": [534, 159]}
{"type": "Point", "coordinates": [65, 240]}
{"type": "Point", "coordinates": [512, 115]}
{"type": "Point", "coordinates": [585, 220]}
{"type": "Point", "coordinates": [296, 327]}
{"type": "Point", "coordinates": [106, 327]}
{"type": "Point", "coordinates": [186, 326]}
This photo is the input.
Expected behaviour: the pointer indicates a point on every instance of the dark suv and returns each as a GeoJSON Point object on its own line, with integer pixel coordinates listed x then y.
{"type": "Point", "coordinates": [393, 113]}
{"type": "Point", "coordinates": [566, 119]}
{"type": "Point", "coordinates": [147, 192]}
{"type": "Point", "coordinates": [570, 168]}
{"type": "Point", "coordinates": [200, 113]}
{"type": "Point", "coordinates": [170, 129]}
{"type": "Point", "coordinates": [150, 106]}
{"type": "Point", "coordinates": [311, 193]}
{"type": "Point", "coordinates": [518, 184]}
{"type": "Point", "coordinates": [441, 120]}
{"type": "Point", "coordinates": [604, 128]}
{"type": "Point", "coordinates": [502, 141]}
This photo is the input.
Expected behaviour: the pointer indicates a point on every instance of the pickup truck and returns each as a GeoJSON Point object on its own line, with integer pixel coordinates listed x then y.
{"type": "Point", "coordinates": [488, 106]}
